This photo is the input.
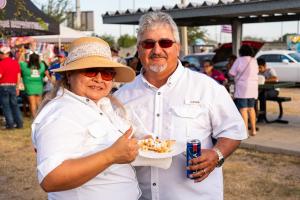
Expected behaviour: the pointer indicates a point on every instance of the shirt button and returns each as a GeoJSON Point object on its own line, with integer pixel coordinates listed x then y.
{"type": "Point", "coordinates": [101, 113]}
{"type": "Point", "coordinates": [154, 184]}
{"type": "Point", "coordinates": [157, 114]}
{"type": "Point", "coordinates": [87, 100]}
{"type": "Point", "coordinates": [159, 93]}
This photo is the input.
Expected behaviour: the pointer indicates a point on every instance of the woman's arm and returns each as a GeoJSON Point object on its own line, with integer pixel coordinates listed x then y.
{"type": "Point", "coordinates": [75, 172]}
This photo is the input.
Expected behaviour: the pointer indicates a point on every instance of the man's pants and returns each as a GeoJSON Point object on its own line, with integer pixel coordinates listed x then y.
{"type": "Point", "coordinates": [11, 111]}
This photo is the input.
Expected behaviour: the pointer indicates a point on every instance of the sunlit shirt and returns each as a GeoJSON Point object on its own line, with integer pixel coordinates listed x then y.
{"type": "Point", "coordinates": [189, 106]}
{"type": "Point", "coordinates": [70, 127]}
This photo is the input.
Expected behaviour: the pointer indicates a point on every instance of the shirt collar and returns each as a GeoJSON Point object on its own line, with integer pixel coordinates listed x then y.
{"type": "Point", "coordinates": [173, 79]}
{"type": "Point", "coordinates": [84, 100]}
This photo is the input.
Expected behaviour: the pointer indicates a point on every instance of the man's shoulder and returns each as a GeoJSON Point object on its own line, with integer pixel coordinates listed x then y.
{"type": "Point", "coordinates": [54, 66]}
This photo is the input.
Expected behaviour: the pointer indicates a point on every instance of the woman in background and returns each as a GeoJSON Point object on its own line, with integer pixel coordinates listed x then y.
{"type": "Point", "coordinates": [33, 73]}
{"type": "Point", "coordinates": [245, 73]}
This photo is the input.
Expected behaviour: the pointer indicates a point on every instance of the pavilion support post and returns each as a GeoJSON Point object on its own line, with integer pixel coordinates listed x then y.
{"type": "Point", "coordinates": [184, 37]}
{"type": "Point", "coordinates": [237, 30]}
{"type": "Point", "coordinates": [184, 41]}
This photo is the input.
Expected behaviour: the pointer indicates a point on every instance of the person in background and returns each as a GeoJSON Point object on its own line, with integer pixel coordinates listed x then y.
{"type": "Point", "coordinates": [209, 70]}
{"type": "Point", "coordinates": [33, 73]}
{"type": "Point", "coordinates": [176, 103]}
{"type": "Point", "coordinates": [245, 73]}
{"type": "Point", "coordinates": [270, 77]}
{"type": "Point", "coordinates": [230, 80]}
{"type": "Point", "coordinates": [116, 57]}
{"type": "Point", "coordinates": [81, 153]}
{"type": "Point", "coordinates": [9, 89]}
{"type": "Point", "coordinates": [61, 56]}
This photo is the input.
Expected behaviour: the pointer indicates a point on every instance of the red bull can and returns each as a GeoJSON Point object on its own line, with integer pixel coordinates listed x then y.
{"type": "Point", "coordinates": [193, 150]}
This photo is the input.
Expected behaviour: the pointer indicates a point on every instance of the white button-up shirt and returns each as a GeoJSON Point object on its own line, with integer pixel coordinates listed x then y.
{"type": "Point", "coordinates": [71, 126]}
{"type": "Point", "coordinates": [189, 106]}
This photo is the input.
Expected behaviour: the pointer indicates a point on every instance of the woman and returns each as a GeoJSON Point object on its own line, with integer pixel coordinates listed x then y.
{"type": "Point", "coordinates": [33, 73]}
{"type": "Point", "coordinates": [81, 152]}
{"type": "Point", "coordinates": [245, 73]}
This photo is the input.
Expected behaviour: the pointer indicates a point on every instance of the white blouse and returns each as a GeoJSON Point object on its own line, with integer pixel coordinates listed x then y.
{"type": "Point", "coordinates": [72, 126]}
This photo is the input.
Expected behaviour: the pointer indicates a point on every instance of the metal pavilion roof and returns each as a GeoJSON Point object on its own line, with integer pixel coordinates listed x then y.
{"type": "Point", "coordinates": [207, 13]}
{"type": "Point", "coordinates": [22, 18]}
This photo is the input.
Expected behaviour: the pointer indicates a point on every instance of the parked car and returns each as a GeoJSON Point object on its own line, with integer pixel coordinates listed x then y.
{"type": "Point", "coordinates": [286, 63]}
{"type": "Point", "coordinates": [196, 60]}
{"type": "Point", "coordinates": [220, 56]}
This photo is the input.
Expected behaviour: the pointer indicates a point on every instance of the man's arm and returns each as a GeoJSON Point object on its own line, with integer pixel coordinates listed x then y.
{"type": "Point", "coordinates": [18, 84]}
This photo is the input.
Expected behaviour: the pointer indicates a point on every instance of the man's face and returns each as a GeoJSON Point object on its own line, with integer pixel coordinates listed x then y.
{"type": "Point", "coordinates": [262, 68]}
{"type": "Point", "coordinates": [61, 59]}
{"type": "Point", "coordinates": [159, 59]}
{"type": "Point", "coordinates": [207, 67]}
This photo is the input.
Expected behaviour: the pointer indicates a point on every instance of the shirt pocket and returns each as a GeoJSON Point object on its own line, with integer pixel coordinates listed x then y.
{"type": "Point", "coordinates": [98, 134]}
{"type": "Point", "coordinates": [190, 122]}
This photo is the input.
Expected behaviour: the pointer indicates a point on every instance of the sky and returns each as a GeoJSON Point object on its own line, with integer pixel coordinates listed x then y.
{"type": "Point", "coordinates": [267, 31]}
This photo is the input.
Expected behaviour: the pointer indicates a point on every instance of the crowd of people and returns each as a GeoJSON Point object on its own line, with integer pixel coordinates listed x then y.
{"type": "Point", "coordinates": [28, 78]}
{"type": "Point", "coordinates": [84, 149]}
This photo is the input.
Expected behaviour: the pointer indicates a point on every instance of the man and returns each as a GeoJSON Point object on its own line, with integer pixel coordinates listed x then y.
{"type": "Point", "coordinates": [209, 70]}
{"type": "Point", "coordinates": [61, 56]}
{"type": "Point", "coordinates": [9, 89]}
{"type": "Point", "coordinates": [270, 77]}
{"type": "Point", "coordinates": [177, 103]}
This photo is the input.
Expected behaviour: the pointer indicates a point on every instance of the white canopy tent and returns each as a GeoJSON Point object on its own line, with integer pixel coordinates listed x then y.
{"type": "Point", "coordinates": [66, 35]}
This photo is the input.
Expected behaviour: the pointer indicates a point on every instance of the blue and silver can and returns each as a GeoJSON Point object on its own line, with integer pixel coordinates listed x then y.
{"type": "Point", "coordinates": [193, 150]}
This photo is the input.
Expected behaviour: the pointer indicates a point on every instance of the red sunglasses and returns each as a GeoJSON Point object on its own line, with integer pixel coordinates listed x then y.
{"type": "Point", "coordinates": [106, 74]}
{"type": "Point", "coordinates": [163, 43]}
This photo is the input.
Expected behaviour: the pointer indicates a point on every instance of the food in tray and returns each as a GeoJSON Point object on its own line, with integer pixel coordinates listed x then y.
{"type": "Point", "coordinates": [156, 145]}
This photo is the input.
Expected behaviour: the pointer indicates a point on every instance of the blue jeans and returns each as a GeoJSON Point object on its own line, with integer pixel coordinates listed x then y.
{"type": "Point", "coordinates": [10, 108]}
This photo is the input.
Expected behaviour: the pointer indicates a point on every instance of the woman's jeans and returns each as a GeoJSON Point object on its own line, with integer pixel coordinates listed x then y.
{"type": "Point", "coordinates": [10, 108]}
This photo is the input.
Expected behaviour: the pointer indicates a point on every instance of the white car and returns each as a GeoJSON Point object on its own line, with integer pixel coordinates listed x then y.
{"type": "Point", "coordinates": [286, 63]}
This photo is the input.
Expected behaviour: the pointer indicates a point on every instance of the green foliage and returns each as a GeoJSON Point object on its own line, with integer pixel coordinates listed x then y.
{"type": "Point", "coordinates": [258, 39]}
{"type": "Point", "coordinates": [126, 41]}
{"type": "Point", "coordinates": [108, 38]}
{"type": "Point", "coordinates": [57, 9]}
{"type": "Point", "coordinates": [195, 33]}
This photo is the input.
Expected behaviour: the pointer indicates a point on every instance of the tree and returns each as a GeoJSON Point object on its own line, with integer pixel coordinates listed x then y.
{"type": "Point", "coordinates": [57, 9]}
{"type": "Point", "coordinates": [107, 38]}
{"type": "Point", "coordinates": [126, 41]}
{"type": "Point", "coordinates": [195, 33]}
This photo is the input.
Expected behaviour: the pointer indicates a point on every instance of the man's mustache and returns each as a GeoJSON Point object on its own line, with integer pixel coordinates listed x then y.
{"type": "Point", "coordinates": [157, 56]}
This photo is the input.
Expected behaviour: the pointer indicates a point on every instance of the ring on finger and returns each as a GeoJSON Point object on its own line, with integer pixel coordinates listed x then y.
{"type": "Point", "coordinates": [204, 171]}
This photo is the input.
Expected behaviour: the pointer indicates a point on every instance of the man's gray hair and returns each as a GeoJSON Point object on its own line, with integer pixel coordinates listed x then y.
{"type": "Point", "coordinates": [152, 19]}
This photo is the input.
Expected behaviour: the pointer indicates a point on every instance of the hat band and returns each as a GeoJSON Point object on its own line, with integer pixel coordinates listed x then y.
{"type": "Point", "coordinates": [88, 49]}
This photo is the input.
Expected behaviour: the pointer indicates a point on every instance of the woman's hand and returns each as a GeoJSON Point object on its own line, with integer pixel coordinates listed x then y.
{"type": "Point", "coordinates": [125, 149]}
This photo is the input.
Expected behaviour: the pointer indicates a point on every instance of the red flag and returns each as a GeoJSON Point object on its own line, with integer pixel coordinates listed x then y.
{"type": "Point", "coordinates": [226, 29]}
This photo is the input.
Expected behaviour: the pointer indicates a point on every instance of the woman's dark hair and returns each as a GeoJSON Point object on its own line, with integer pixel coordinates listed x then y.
{"type": "Point", "coordinates": [34, 60]}
{"type": "Point", "coordinates": [246, 50]}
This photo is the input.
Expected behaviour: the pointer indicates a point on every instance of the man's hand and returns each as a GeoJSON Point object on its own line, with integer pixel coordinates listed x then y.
{"type": "Point", "coordinates": [203, 164]}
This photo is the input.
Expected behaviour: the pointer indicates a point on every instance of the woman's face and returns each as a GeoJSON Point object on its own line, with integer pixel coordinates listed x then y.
{"type": "Point", "coordinates": [93, 88]}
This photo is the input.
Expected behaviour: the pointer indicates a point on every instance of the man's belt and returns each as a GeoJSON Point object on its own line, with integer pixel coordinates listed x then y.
{"type": "Point", "coordinates": [8, 84]}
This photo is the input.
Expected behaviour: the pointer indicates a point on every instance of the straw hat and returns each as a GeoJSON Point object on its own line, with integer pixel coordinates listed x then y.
{"type": "Point", "coordinates": [92, 52]}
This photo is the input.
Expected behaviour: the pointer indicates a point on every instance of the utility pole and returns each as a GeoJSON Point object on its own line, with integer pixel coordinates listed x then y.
{"type": "Point", "coordinates": [78, 16]}
{"type": "Point", "coordinates": [184, 38]}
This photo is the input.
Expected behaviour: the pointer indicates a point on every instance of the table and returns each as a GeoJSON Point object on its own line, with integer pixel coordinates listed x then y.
{"type": "Point", "coordinates": [262, 114]}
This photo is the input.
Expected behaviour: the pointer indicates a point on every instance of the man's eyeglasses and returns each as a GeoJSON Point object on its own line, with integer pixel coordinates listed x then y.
{"type": "Point", "coordinates": [163, 43]}
{"type": "Point", "coordinates": [106, 74]}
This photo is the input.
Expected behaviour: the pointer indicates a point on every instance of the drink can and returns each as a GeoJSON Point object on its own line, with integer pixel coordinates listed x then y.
{"type": "Point", "coordinates": [193, 150]}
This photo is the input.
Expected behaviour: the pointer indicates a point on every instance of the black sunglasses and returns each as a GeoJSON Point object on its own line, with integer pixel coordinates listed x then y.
{"type": "Point", "coordinates": [163, 43]}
